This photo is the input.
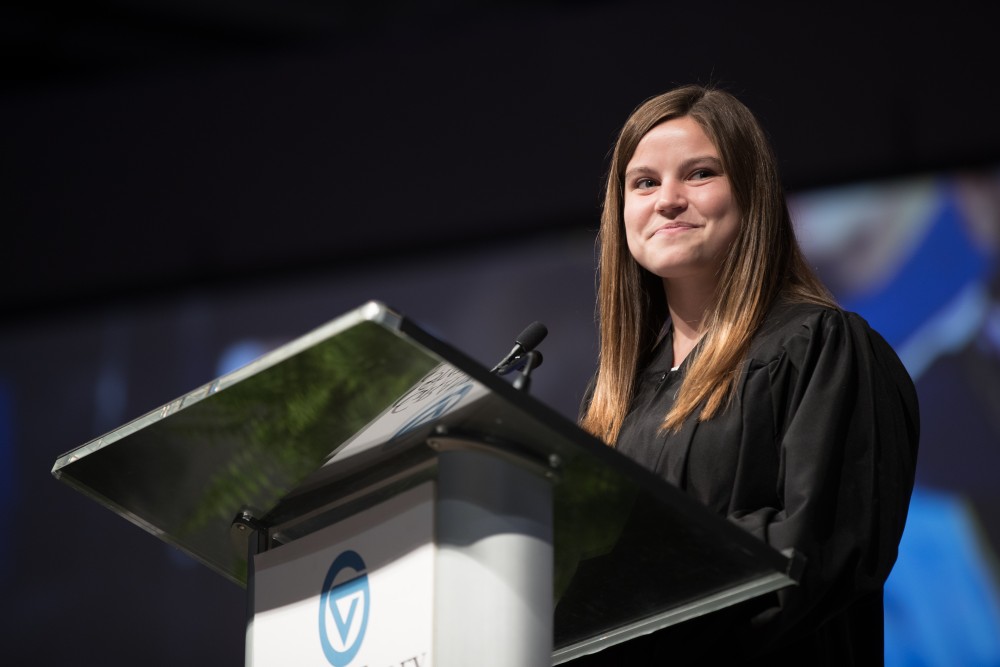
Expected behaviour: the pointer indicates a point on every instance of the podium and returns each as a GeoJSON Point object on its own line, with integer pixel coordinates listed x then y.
{"type": "Point", "coordinates": [387, 500]}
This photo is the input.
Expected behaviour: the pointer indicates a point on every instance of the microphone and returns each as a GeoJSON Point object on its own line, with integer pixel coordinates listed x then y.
{"type": "Point", "coordinates": [528, 339]}
{"type": "Point", "coordinates": [525, 363]}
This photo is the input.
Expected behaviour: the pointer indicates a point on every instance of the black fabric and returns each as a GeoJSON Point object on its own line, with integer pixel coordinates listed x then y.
{"type": "Point", "coordinates": [816, 453]}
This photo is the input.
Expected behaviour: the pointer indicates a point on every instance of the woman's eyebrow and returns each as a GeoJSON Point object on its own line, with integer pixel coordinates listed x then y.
{"type": "Point", "coordinates": [639, 171]}
{"type": "Point", "coordinates": [710, 160]}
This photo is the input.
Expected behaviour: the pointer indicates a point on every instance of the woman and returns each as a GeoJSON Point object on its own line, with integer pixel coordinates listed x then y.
{"type": "Point", "coordinates": [727, 368]}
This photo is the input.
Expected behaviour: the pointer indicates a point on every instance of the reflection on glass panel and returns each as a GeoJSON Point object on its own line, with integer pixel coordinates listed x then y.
{"type": "Point", "coordinates": [246, 445]}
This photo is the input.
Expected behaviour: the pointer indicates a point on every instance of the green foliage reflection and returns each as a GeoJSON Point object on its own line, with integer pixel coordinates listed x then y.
{"type": "Point", "coordinates": [270, 431]}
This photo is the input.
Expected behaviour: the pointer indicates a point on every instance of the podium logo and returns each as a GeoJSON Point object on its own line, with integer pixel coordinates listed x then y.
{"type": "Point", "coordinates": [343, 609]}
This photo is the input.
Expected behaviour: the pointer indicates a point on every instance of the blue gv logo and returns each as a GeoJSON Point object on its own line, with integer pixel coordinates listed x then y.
{"type": "Point", "coordinates": [343, 609]}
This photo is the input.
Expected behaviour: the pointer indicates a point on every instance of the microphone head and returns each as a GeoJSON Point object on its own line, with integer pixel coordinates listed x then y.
{"type": "Point", "coordinates": [532, 335]}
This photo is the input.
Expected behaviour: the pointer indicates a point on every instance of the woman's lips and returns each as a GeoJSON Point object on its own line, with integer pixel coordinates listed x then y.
{"type": "Point", "coordinates": [674, 228]}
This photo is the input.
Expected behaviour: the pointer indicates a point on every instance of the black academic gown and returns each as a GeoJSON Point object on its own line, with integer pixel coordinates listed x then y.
{"type": "Point", "coordinates": [817, 454]}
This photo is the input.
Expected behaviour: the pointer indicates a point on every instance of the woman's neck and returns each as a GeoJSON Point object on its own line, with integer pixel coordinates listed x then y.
{"type": "Point", "coordinates": [688, 306]}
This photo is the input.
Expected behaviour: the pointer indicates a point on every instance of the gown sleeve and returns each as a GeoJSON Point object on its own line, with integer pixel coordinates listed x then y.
{"type": "Point", "coordinates": [846, 426]}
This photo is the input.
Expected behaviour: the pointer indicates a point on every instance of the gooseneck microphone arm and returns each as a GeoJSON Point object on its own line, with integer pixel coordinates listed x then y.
{"type": "Point", "coordinates": [532, 360]}
{"type": "Point", "coordinates": [532, 335]}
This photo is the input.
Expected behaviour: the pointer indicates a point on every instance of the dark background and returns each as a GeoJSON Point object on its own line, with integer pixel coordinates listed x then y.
{"type": "Point", "coordinates": [177, 176]}
{"type": "Point", "coordinates": [163, 144]}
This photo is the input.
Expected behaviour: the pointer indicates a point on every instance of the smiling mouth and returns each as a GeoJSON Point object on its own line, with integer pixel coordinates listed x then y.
{"type": "Point", "coordinates": [674, 227]}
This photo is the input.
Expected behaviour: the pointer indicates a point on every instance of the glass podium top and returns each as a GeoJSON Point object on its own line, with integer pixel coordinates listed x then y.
{"type": "Point", "coordinates": [356, 400]}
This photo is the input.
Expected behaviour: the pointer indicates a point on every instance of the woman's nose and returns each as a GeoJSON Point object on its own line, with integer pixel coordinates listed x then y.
{"type": "Point", "coordinates": [670, 198]}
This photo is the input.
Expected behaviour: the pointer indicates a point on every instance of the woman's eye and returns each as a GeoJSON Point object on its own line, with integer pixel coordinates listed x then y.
{"type": "Point", "coordinates": [644, 183]}
{"type": "Point", "coordinates": [700, 174]}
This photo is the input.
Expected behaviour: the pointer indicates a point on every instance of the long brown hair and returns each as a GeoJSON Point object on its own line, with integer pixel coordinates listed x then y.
{"type": "Point", "coordinates": [763, 262]}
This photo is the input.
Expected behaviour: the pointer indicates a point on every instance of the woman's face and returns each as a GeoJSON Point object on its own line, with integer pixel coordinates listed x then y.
{"type": "Point", "coordinates": [680, 213]}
